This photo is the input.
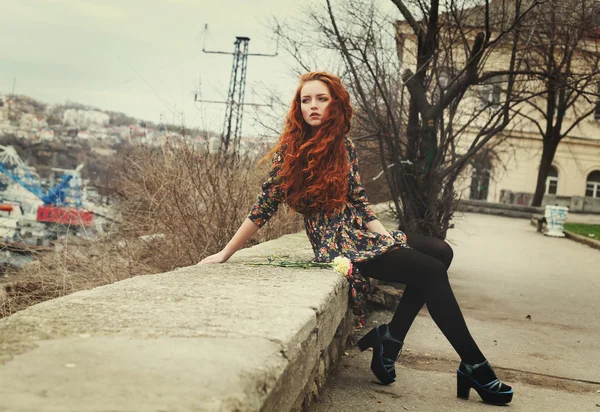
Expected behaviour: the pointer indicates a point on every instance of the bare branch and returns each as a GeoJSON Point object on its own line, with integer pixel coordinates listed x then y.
{"type": "Point", "coordinates": [416, 91]}
{"type": "Point", "coordinates": [577, 121]}
{"type": "Point", "coordinates": [408, 16]}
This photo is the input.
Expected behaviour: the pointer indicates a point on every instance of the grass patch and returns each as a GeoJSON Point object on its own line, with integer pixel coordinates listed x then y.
{"type": "Point", "coordinates": [591, 231]}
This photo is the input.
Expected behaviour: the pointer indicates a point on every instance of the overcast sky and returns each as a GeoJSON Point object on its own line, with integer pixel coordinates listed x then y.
{"type": "Point", "coordinates": [141, 57]}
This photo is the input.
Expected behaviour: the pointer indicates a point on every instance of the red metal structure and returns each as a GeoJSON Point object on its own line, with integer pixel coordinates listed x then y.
{"type": "Point", "coordinates": [64, 216]}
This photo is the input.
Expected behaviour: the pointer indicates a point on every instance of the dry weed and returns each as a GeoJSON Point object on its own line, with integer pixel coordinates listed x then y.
{"type": "Point", "coordinates": [176, 205]}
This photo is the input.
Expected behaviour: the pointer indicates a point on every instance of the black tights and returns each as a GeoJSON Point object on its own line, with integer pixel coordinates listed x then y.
{"type": "Point", "coordinates": [423, 270]}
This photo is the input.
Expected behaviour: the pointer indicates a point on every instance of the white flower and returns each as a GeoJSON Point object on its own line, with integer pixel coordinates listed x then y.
{"type": "Point", "coordinates": [342, 265]}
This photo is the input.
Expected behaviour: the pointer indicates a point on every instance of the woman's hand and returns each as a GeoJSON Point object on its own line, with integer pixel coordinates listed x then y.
{"type": "Point", "coordinates": [216, 258]}
{"type": "Point", "coordinates": [377, 227]}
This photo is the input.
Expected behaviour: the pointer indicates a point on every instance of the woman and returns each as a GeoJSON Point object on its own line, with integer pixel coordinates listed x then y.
{"type": "Point", "coordinates": [315, 171]}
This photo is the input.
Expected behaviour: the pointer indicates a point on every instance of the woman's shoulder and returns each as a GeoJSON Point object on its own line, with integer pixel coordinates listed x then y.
{"type": "Point", "coordinates": [280, 153]}
{"type": "Point", "coordinates": [348, 143]}
{"type": "Point", "coordinates": [350, 148]}
{"type": "Point", "coordinates": [281, 149]}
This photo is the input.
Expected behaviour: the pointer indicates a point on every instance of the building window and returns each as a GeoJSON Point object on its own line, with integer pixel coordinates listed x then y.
{"type": "Point", "coordinates": [552, 181]}
{"type": "Point", "coordinates": [490, 92]}
{"type": "Point", "coordinates": [491, 95]}
{"type": "Point", "coordinates": [592, 185]}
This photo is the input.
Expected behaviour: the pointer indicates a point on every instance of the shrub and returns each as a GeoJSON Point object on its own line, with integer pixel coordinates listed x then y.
{"type": "Point", "coordinates": [175, 205]}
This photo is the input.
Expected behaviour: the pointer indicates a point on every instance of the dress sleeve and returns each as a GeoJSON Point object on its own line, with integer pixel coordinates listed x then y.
{"type": "Point", "coordinates": [270, 197]}
{"type": "Point", "coordinates": [356, 192]}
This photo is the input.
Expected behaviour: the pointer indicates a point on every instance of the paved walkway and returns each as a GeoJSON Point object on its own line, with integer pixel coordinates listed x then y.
{"type": "Point", "coordinates": [532, 304]}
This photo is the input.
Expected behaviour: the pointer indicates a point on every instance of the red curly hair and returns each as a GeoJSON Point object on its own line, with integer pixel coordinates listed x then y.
{"type": "Point", "coordinates": [314, 173]}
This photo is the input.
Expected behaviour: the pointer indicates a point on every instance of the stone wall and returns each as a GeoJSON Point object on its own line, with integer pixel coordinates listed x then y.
{"type": "Point", "coordinates": [328, 359]}
{"type": "Point", "coordinates": [229, 337]}
{"type": "Point", "coordinates": [499, 209]}
{"type": "Point", "coordinates": [576, 204]}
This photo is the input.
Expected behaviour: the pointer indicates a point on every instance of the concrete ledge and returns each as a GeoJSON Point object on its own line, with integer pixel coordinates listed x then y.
{"type": "Point", "coordinates": [498, 209]}
{"type": "Point", "coordinates": [582, 239]}
{"type": "Point", "coordinates": [228, 337]}
{"type": "Point", "coordinates": [573, 236]}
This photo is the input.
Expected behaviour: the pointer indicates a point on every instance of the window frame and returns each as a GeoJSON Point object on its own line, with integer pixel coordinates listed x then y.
{"type": "Point", "coordinates": [550, 180]}
{"type": "Point", "coordinates": [595, 185]}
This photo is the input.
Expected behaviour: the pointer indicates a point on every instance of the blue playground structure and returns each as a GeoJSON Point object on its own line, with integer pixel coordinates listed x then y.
{"type": "Point", "coordinates": [63, 194]}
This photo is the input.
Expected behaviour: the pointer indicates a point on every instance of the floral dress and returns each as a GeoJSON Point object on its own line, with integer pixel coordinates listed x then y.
{"type": "Point", "coordinates": [343, 234]}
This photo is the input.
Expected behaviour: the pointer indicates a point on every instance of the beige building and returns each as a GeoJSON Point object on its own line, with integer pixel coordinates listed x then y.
{"type": "Point", "coordinates": [507, 172]}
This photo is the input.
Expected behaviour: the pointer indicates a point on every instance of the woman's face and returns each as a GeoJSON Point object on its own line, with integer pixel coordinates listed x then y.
{"type": "Point", "coordinates": [314, 99]}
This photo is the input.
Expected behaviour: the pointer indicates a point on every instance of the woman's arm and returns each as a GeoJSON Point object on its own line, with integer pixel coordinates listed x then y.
{"type": "Point", "coordinates": [245, 232]}
{"type": "Point", "coordinates": [377, 227]}
{"type": "Point", "coordinates": [270, 197]}
{"type": "Point", "coordinates": [265, 207]}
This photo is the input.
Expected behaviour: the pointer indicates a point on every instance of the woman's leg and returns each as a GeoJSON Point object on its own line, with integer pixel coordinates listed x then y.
{"type": "Point", "coordinates": [429, 278]}
{"type": "Point", "coordinates": [431, 246]}
{"type": "Point", "coordinates": [413, 298]}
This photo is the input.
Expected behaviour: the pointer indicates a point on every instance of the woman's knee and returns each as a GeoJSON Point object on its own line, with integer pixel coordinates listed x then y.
{"type": "Point", "coordinates": [443, 252]}
{"type": "Point", "coordinates": [446, 253]}
{"type": "Point", "coordinates": [432, 246]}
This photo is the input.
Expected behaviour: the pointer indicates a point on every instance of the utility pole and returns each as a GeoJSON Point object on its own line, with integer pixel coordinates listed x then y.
{"type": "Point", "coordinates": [237, 87]}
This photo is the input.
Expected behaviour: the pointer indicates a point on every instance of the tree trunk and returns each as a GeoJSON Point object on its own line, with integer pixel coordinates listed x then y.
{"type": "Point", "coordinates": [548, 152]}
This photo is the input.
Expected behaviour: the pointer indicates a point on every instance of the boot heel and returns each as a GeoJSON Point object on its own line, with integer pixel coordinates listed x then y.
{"type": "Point", "coordinates": [382, 367]}
{"type": "Point", "coordinates": [463, 386]}
{"type": "Point", "coordinates": [493, 392]}
{"type": "Point", "coordinates": [367, 341]}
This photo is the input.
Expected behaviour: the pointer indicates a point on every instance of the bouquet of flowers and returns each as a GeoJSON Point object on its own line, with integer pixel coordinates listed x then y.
{"type": "Point", "coordinates": [340, 264]}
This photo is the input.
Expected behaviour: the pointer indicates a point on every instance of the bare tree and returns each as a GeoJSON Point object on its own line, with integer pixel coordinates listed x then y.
{"type": "Point", "coordinates": [564, 49]}
{"type": "Point", "coordinates": [418, 115]}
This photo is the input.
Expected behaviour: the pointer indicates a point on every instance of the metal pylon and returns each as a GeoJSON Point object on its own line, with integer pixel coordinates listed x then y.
{"type": "Point", "coordinates": [234, 113]}
{"type": "Point", "coordinates": [235, 97]}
